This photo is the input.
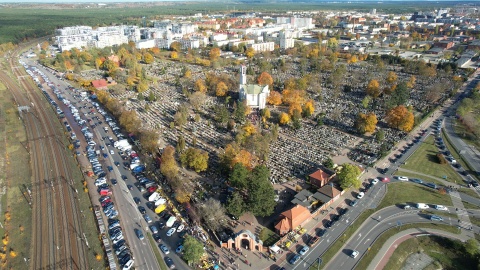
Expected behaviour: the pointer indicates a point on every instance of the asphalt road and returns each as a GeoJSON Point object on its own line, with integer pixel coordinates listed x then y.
{"type": "Point", "coordinates": [128, 210]}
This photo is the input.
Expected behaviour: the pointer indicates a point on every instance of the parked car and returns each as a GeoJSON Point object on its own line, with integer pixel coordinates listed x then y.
{"type": "Point", "coordinates": [416, 180]}
{"type": "Point", "coordinates": [169, 263]}
{"type": "Point", "coordinates": [360, 195]}
{"type": "Point", "coordinates": [353, 203]}
{"type": "Point", "coordinates": [402, 178]}
{"type": "Point", "coordinates": [142, 210]}
{"type": "Point", "coordinates": [374, 181]}
{"type": "Point", "coordinates": [136, 200]}
{"type": "Point", "coordinates": [171, 232]}
{"type": "Point", "coordinates": [147, 218]}
{"type": "Point", "coordinates": [154, 229]}
{"type": "Point", "coordinates": [179, 249]}
{"type": "Point", "coordinates": [164, 249]}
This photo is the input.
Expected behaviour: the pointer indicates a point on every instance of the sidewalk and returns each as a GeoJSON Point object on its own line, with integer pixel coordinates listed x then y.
{"type": "Point", "coordinates": [384, 254]}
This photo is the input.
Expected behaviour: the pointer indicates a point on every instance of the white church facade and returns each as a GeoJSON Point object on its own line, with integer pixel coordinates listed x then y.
{"type": "Point", "coordinates": [255, 94]}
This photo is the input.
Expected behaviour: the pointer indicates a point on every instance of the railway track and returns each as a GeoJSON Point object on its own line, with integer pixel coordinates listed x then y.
{"type": "Point", "coordinates": [57, 236]}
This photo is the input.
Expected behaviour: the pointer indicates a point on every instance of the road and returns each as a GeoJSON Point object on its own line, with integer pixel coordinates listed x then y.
{"type": "Point", "coordinates": [468, 152]}
{"type": "Point", "coordinates": [123, 197]}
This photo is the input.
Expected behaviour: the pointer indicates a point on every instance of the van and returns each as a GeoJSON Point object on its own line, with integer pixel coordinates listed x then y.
{"type": "Point", "coordinates": [421, 206]}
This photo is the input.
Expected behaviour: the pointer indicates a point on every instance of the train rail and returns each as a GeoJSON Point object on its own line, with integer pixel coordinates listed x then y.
{"type": "Point", "coordinates": [57, 232]}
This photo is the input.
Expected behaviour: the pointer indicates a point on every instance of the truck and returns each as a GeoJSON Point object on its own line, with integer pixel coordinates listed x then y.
{"type": "Point", "coordinates": [121, 143]}
{"type": "Point", "coordinates": [170, 221]}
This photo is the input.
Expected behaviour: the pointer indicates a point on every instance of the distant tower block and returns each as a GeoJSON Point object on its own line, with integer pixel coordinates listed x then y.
{"type": "Point", "coordinates": [243, 75]}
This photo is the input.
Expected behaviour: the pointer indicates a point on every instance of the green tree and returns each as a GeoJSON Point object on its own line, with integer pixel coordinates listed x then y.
{"type": "Point", "coordinates": [236, 205]}
{"type": "Point", "coordinates": [193, 249]}
{"type": "Point", "coordinates": [239, 176]}
{"type": "Point", "coordinates": [240, 111]}
{"type": "Point", "coordinates": [180, 144]}
{"type": "Point", "coordinates": [329, 163]}
{"type": "Point", "coordinates": [221, 114]}
{"type": "Point", "coordinates": [196, 159]}
{"type": "Point", "coordinates": [380, 135]}
{"type": "Point", "coordinates": [260, 192]}
{"type": "Point", "coordinates": [348, 176]}
{"type": "Point", "coordinates": [151, 97]}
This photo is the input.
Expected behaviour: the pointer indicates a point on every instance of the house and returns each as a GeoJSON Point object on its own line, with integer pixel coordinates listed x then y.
{"type": "Point", "coordinates": [444, 44]}
{"type": "Point", "coordinates": [312, 201]}
{"type": "Point", "coordinates": [330, 191]}
{"type": "Point", "coordinates": [100, 84]}
{"type": "Point", "coordinates": [293, 218]}
{"type": "Point", "coordinates": [321, 177]}
{"type": "Point", "coordinates": [255, 94]}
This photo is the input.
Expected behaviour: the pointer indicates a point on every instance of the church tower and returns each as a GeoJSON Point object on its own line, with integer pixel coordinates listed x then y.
{"type": "Point", "coordinates": [243, 75]}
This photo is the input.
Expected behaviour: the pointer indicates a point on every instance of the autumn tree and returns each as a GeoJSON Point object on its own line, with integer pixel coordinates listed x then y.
{"type": "Point", "coordinates": [250, 52]}
{"type": "Point", "coordinates": [197, 100]}
{"type": "Point", "coordinates": [174, 55]}
{"type": "Point", "coordinates": [366, 122]}
{"type": "Point", "coordinates": [373, 88]}
{"type": "Point", "coordinates": [200, 86]}
{"type": "Point", "coordinates": [221, 89]}
{"type": "Point", "coordinates": [149, 140]}
{"type": "Point", "coordinates": [400, 118]}
{"type": "Point", "coordinates": [308, 108]}
{"type": "Point", "coordinates": [284, 119]}
{"type": "Point", "coordinates": [142, 87]}
{"type": "Point", "coordinates": [148, 58]}
{"type": "Point", "coordinates": [130, 121]}
{"type": "Point", "coordinates": [293, 96]}
{"type": "Point", "coordinates": [274, 98]}
{"type": "Point", "coordinates": [196, 159]}
{"type": "Point", "coordinates": [169, 167]}
{"type": "Point", "coordinates": [391, 77]}
{"type": "Point", "coordinates": [176, 46]}
{"type": "Point", "coordinates": [214, 53]}
{"type": "Point", "coordinates": [265, 79]}
{"type": "Point", "coordinates": [411, 82]}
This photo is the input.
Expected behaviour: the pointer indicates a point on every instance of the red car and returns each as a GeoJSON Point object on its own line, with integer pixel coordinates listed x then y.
{"type": "Point", "coordinates": [152, 188]}
{"type": "Point", "coordinates": [384, 179]}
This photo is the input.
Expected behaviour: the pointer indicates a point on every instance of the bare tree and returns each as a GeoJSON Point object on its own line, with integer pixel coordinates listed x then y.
{"type": "Point", "coordinates": [213, 214]}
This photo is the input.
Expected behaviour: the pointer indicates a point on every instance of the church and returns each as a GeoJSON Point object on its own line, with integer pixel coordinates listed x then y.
{"type": "Point", "coordinates": [255, 94]}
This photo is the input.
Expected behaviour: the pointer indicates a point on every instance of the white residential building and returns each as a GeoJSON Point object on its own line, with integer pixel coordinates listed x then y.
{"type": "Point", "coordinates": [296, 22]}
{"type": "Point", "coordinates": [263, 47]}
{"type": "Point", "coordinates": [255, 95]}
{"type": "Point", "coordinates": [285, 41]}
{"type": "Point", "coordinates": [73, 37]}
{"type": "Point", "coordinates": [108, 36]}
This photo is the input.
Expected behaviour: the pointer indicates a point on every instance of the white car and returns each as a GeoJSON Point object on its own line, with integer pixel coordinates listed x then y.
{"type": "Point", "coordinates": [402, 178]}
{"type": "Point", "coordinates": [441, 207]}
{"type": "Point", "coordinates": [128, 265]}
{"type": "Point", "coordinates": [111, 152]}
{"type": "Point", "coordinates": [354, 254]}
{"type": "Point", "coordinates": [374, 181]}
{"type": "Point", "coordinates": [171, 232]}
{"type": "Point", "coordinates": [180, 228]}
{"type": "Point", "coordinates": [92, 143]}
{"type": "Point", "coordinates": [360, 195]}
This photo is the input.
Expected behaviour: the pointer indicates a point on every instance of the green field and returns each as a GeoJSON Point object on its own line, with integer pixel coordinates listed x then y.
{"type": "Point", "coordinates": [446, 253]}
{"type": "Point", "coordinates": [424, 160]}
{"type": "Point", "coordinates": [401, 193]}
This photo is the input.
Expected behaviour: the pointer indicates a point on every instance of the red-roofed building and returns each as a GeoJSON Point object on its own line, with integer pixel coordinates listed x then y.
{"type": "Point", "coordinates": [321, 177]}
{"type": "Point", "coordinates": [293, 218]}
{"type": "Point", "coordinates": [100, 84]}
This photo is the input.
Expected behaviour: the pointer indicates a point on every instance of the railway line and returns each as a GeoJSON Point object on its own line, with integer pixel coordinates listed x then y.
{"type": "Point", "coordinates": [57, 236]}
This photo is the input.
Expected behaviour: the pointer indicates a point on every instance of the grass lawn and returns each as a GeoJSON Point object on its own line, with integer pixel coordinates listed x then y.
{"type": "Point", "coordinates": [15, 174]}
{"type": "Point", "coordinates": [447, 253]}
{"type": "Point", "coordinates": [268, 237]}
{"type": "Point", "coordinates": [162, 264]}
{"type": "Point", "coordinates": [401, 193]}
{"type": "Point", "coordinates": [424, 160]}
{"type": "Point", "coordinates": [467, 191]}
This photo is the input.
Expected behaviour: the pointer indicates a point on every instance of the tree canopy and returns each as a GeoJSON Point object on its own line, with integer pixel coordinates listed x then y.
{"type": "Point", "coordinates": [192, 249]}
{"type": "Point", "coordinates": [196, 159]}
{"type": "Point", "coordinates": [348, 176]}
{"type": "Point", "coordinates": [400, 118]}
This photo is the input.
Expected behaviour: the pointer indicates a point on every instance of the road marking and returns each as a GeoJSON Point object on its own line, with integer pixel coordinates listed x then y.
{"type": "Point", "coordinates": [366, 241]}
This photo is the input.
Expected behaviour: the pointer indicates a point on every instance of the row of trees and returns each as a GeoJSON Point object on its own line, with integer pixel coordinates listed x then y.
{"type": "Point", "coordinates": [398, 117]}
